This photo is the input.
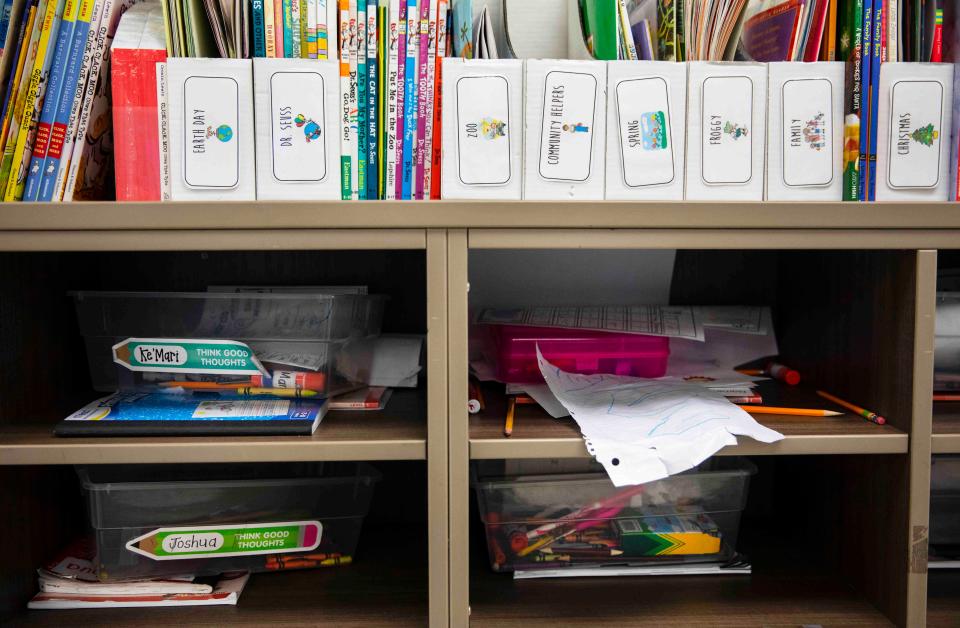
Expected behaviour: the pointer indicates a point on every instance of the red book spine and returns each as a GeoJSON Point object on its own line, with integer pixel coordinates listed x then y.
{"type": "Point", "coordinates": [136, 136]}
{"type": "Point", "coordinates": [437, 155]}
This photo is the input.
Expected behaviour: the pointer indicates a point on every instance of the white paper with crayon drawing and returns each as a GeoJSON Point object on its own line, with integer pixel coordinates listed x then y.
{"type": "Point", "coordinates": [642, 430]}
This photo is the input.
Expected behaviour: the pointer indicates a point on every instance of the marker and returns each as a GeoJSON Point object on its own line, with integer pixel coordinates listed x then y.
{"type": "Point", "coordinates": [295, 393]}
{"type": "Point", "coordinates": [870, 416]}
{"type": "Point", "coordinates": [777, 371]}
{"type": "Point", "coordinates": [789, 411]}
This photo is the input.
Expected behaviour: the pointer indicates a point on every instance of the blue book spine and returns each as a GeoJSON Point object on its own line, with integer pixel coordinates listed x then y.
{"type": "Point", "coordinates": [373, 179]}
{"type": "Point", "coordinates": [31, 191]}
{"type": "Point", "coordinates": [865, 76]}
{"type": "Point", "coordinates": [287, 6]}
{"type": "Point", "coordinates": [5, 20]}
{"type": "Point", "coordinates": [64, 107]}
{"type": "Point", "coordinates": [22, 33]}
{"type": "Point", "coordinates": [410, 96]}
{"type": "Point", "coordinates": [362, 100]}
{"type": "Point", "coordinates": [874, 100]}
{"type": "Point", "coordinates": [259, 35]}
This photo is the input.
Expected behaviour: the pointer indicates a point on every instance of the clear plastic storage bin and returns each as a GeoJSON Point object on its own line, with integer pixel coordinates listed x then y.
{"type": "Point", "coordinates": [161, 520]}
{"type": "Point", "coordinates": [318, 325]}
{"type": "Point", "coordinates": [576, 351]}
{"type": "Point", "coordinates": [543, 514]}
{"type": "Point", "coordinates": [945, 503]}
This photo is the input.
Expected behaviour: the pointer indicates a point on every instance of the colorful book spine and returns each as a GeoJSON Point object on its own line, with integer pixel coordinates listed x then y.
{"type": "Point", "coordinates": [372, 174]}
{"type": "Point", "coordinates": [79, 91]}
{"type": "Point", "coordinates": [436, 155]}
{"type": "Point", "coordinates": [259, 39]}
{"type": "Point", "coordinates": [424, 184]}
{"type": "Point", "coordinates": [323, 30]}
{"type": "Point", "coordinates": [35, 93]}
{"type": "Point", "coordinates": [269, 29]}
{"type": "Point", "coordinates": [15, 113]}
{"type": "Point", "coordinates": [278, 28]}
{"type": "Point", "coordinates": [311, 29]}
{"type": "Point", "coordinates": [401, 98]}
{"type": "Point", "coordinates": [354, 102]}
{"type": "Point", "coordinates": [362, 101]}
{"type": "Point", "coordinates": [288, 28]}
{"type": "Point", "coordinates": [936, 54]}
{"type": "Point", "coordinates": [892, 20]}
{"type": "Point", "coordinates": [58, 132]}
{"type": "Point", "coordinates": [13, 82]}
{"type": "Point", "coordinates": [874, 100]}
{"type": "Point", "coordinates": [393, 51]}
{"type": "Point", "coordinates": [416, 186]}
{"type": "Point", "coordinates": [851, 43]}
{"type": "Point", "coordinates": [383, 61]}
{"type": "Point", "coordinates": [410, 99]}
{"type": "Point", "coordinates": [5, 12]}
{"type": "Point", "coordinates": [301, 47]}
{"type": "Point", "coordinates": [51, 99]}
{"type": "Point", "coordinates": [463, 29]}
{"type": "Point", "coordinates": [866, 62]}
{"type": "Point", "coordinates": [345, 114]}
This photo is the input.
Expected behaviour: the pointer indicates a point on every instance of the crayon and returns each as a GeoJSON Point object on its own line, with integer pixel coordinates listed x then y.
{"type": "Point", "coordinates": [295, 393]}
{"type": "Point", "coordinates": [945, 397]}
{"type": "Point", "coordinates": [543, 558]}
{"type": "Point", "coordinates": [508, 423]}
{"type": "Point", "coordinates": [740, 400]}
{"type": "Point", "coordinates": [870, 416]}
{"type": "Point", "coordinates": [578, 552]}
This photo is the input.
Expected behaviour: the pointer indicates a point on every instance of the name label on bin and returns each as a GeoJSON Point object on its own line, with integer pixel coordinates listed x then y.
{"type": "Point", "coordinates": [165, 355]}
{"type": "Point", "coordinates": [248, 539]}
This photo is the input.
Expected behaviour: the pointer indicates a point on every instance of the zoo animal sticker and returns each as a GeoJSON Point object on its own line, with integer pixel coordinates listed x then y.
{"type": "Point", "coordinates": [211, 155]}
{"type": "Point", "coordinates": [566, 134]}
{"type": "Point", "coordinates": [807, 128]}
{"type": "Point", "coordinates": [646, 143]}
{"type": "Point", "coordinates": [484, 130]}
{"type": "Point", "coordinates": [916, 127]}
{"type": "Point", "coordinates": [298, 127]}
{"type": "Point", "coordinates": [726, 130]}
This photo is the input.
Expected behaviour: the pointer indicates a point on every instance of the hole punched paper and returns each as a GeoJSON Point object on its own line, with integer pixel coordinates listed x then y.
{"type": "Point", "coordinates": [642, 430]}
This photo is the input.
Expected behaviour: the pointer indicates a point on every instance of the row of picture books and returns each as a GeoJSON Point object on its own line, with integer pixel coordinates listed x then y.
{"type": "Point", "coordinates": [766, 30]}
{"type": "Point", "coordinates": [550, 130]}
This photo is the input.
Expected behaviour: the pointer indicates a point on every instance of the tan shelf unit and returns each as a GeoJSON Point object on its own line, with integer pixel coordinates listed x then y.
{"type": "Point", "coordinates": [857, 321]}
{"type": "Point", "coordinates": [404, 539]}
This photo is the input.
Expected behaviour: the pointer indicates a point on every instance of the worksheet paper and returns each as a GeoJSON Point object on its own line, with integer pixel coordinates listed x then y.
{"type": "Point", "coordinates": [642, 430]}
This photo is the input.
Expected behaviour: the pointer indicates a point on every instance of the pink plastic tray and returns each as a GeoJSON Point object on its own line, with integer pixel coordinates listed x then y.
{"type": "Point", "coordinates": [577, 351]}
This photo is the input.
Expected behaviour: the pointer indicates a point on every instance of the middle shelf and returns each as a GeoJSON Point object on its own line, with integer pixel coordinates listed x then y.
{"type": "Point", "coordinates": [397, 433]}
{"type": "Point", "coordinates": [538, 435]}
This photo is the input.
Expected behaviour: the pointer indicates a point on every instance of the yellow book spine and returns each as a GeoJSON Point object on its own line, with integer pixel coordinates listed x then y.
{"type": "Point", "coordinates": [18, 74]}
{"type": "Point", "coordinates": [14, 191]}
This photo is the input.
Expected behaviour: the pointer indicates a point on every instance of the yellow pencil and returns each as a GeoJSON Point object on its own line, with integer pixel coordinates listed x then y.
{"type": "Point", "coordinates": [508, 426]}
{"type": "Point", "coordinates": [790, 411]}
{"type": "Point", "coordinates": [870, 416]}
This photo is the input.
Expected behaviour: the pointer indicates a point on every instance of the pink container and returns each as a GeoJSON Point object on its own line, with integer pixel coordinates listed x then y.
{"type": "Point", "coordinates": [577, 351]}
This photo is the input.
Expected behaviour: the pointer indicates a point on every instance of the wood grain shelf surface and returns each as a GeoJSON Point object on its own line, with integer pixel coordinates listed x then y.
{"type": "Point", "coordinates": [537, 435]}
{"type": "Point", "coordinates": [946, 427]}
{"type": "Point", "coordinates": [384, 587]}
{"type": "Point", "coordinates": [396, 433]}
{"type": "Point", "coordinates": [498, 601]}
{"type": "Point", "coordinates": [306, 215]}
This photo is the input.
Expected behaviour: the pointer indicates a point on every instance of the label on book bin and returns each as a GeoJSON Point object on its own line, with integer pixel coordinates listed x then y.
{"type": "Point", "coordinates": [643, 119]}
{"type": "Point", "coordinates": [166, 355]}
{"type": "Point", "coordinates": [916, 127]}
{"type": "Point", "coordinates": [248, 539]}
{"type": "Point", "coordinates": [298, 129]}
{"type": "Point", "coordinates": [211, 115]}
{"type": "Point", "coordinates": [483, 130]}
{"type": "Point", "coordinates": [726, 130]}
{"type": "Point", "coordinates": [807, 132]}
{"type": "Point", "coordinates": [566, 134]}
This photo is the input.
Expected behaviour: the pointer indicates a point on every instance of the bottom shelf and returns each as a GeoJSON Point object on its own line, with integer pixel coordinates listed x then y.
{"type": "Point", "coordinates": [386, 586]}
{"type": "Point", "coordinates": [734, 601]}
{"type": "Point", "coordinates": [943, 603]}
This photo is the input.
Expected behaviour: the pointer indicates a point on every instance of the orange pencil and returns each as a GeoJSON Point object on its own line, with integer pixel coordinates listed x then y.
{"type": "Point", "coordinates": [870, 416]}
{"type": "Point", "coordinates": [790, 411]}
{"type": "Point", "coordinates": [508, 425]}
{"type": "Point", "coordinates": [205, 385]}
{"type": "Point", "coordinates": [942, 397]}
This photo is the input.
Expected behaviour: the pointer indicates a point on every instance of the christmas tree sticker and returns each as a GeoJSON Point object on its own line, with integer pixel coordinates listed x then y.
{"type": "Point", "coordinates": [925, 135]}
